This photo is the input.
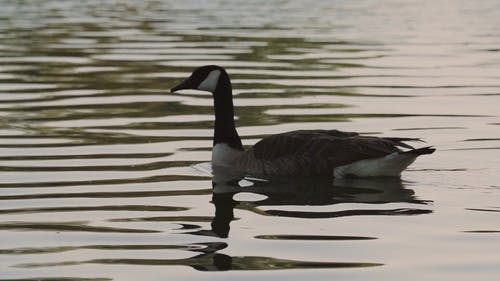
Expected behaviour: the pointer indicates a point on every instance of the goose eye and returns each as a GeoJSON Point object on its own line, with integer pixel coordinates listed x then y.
{"type": "Point", "coordinates": [210, 83]}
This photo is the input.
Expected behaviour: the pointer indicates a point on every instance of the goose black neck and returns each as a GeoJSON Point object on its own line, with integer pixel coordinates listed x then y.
{"type": "Point", "coordinates": [225, 130]}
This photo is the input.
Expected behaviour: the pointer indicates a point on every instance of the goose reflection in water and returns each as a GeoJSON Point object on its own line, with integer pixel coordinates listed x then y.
{"type": "Point", "coordinates": [308, 192]}
{"type": "Point", "coordinates": [279, 192]}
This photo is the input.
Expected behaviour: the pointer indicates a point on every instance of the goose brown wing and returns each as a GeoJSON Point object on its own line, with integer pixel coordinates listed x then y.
{"type": "Point", "coordinates": [328, 148]}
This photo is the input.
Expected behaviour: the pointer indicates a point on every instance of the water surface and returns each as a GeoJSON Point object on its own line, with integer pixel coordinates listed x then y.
{"type": "Point", "coordinates": [104, 174]}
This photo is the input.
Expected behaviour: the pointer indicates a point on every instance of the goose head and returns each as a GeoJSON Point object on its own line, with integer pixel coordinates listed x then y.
{"type": "Point", "coordinates": [214, 79]}
{"type": "Point", "coordinates": [208, 78]}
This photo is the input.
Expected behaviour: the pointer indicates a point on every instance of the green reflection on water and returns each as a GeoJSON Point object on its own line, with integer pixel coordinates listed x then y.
{"type": "Point", "coordinates": [45, 52]}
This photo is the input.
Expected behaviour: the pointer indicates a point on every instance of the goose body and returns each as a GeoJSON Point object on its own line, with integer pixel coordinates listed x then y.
{"type": "Point", "coordinates": [297, 153]}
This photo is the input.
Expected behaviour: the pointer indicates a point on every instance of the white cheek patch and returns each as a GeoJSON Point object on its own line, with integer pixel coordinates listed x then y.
{"type": "Point", "coordinates": [210, 83]}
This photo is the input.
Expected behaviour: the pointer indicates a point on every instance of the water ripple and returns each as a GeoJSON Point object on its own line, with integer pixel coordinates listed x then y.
{"type": "Point", "coordinates": [101, 167]}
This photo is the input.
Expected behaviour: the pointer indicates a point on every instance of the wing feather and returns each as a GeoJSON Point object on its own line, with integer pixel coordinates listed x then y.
{"type": "Point", "coordinates": [324, 149]}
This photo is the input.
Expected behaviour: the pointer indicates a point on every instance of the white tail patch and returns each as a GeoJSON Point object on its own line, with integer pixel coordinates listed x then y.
{"type": "Point", "coordinates": [210, 83]}
{"type": "Point", "coordinates": [390, 165]}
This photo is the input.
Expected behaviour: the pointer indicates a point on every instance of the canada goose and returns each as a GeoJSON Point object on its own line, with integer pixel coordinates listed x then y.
{"type": "Point", "coordinates": [297, 153]}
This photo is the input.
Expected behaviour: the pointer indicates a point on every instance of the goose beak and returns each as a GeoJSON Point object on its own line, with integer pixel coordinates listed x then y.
{"type": "Point", "coordinates": [186, 84]}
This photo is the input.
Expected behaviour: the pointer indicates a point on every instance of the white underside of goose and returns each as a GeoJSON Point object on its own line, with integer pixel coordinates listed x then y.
{"type": "Point", "coordinates": [390, 165]}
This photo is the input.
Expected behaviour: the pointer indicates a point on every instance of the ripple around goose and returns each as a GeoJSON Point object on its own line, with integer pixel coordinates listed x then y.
{"type": "Point", "coordinates": [297, 153]}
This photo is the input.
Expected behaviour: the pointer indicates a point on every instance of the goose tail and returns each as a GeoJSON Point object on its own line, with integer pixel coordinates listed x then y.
{"type": "Point", "coordinates": [420, 151]}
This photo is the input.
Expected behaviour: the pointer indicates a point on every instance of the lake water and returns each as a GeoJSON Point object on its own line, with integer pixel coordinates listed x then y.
{"type": "Point", "coordinates": [104, 173]}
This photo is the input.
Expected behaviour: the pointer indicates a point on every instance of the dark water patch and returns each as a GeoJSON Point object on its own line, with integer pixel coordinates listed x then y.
{"type": "Point", "coordinates": [136, 208]}
{"type": "Point", "coordinates": [186, 226]}
{"type": "Point", "coordinates": [104, 194]}
{"type": "Point", "coordinates": [161, 126]}
{"type": "Point", "coordinates": [488, 94]}
{"type": "Point", "coordinates": [86, 156]}
{"type": "Point", "coordinates": [166, 219]}
{"type": "Point", "coordinates": [483, 139]}
{"type": "Point", "coordinates": [97, 111]}
{"type": "Point", "coordinates": [217, 262]}
{"type": "Point", "coordinates": [59, 279]}
{"type": "Point", "coordinates": [79, 141]}
{"type": "Point", "coordinates": [21, 99]}
{"type": "Point", "coordinates": [440, 170]}
{"type": "Point", "coordinates": [132, 167]}
{"type": "Point", "coordinates": [482, 231]}
{"type": "Point", "coordinates": [494, 209]}
{"type": "Point", "coordinates": [291, 93]}
{"type": "Point", "coordinates": [347, 213]}
{"type": "Point", "coordinates": [429, 128]}
{"type": "Point", "coordinates": [106, 103]}
{"type": "Point", "coordinates": [349, 116]}
{"type": "Point", "coordinates": [313, 237]}
{"type": "Point", "coordinates": [104, 182]}
{"type": "Point", "coordinates": [67, 227]}
{"type": "Point", "coordinates": [139, 247]}
{"type": "Point", "coordinates": [36, 142]}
